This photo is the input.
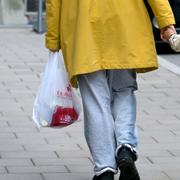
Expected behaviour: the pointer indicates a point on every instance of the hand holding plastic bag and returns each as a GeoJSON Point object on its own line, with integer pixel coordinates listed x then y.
{"type": "Point", "coordinates": [57, 103]}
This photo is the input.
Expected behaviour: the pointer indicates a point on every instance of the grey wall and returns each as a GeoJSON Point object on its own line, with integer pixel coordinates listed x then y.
{"type": "Point", "coordinates": [12, 12]}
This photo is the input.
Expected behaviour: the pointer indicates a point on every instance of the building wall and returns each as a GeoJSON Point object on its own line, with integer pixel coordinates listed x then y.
{"type": "Point", "coordinates": [12, 12]}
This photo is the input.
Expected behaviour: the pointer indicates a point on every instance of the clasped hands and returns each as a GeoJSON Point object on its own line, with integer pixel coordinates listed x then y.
{"type": "Point", "coordinates": [167, 32]}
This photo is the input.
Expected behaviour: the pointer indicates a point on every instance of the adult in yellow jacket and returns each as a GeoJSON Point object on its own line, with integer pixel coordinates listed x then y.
{"type": "Point", "coordinates": [104, 44]}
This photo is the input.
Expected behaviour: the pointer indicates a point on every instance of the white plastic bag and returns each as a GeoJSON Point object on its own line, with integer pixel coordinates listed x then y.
{"type": "Point", "coordinates": [57, 104]}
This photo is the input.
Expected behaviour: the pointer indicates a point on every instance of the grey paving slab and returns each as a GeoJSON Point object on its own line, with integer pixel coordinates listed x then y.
{"type": "Point", "coordinates": [38, 134]}
{"type": "Point", "coordinates": [19, 117]}
{"type": "Point", "coordinates": [18, 129]}
{"type": "Point", "coordinates": [51, 147]}
{"type": "Point", "coordinates": [25, 154]}
{"type": "Point", "coordinates": [18, 124]}
{"type": "Point", "coordinates": [15, 162]}
{"type": "Point", "coordinates": [80, 168]}
{"type": "Point", "coordinates": [9, 147]}
{"type": "Point", "coordinates": [165, 160]}
{"type": "Point", "coordinates": [153, 174]}
{"type": "Point", "coordinates": [23, 141]}
{"type": "Point", "coordinates": [35, 169]}
{"type": "Point", "coordinates": [20, 177]}
{"type": "Point", "coordinates": [8, 135]}
{"type": "Point", "coordinates": [173, 174]}
{"type": "Point", "coordinates": [3, 170]}
{"type": "Point", "coordinates": [62, 161]}
{"type": "Point", "coordinates": [68, 176]}
{"type": "Point", "coordinates": [73, 154]}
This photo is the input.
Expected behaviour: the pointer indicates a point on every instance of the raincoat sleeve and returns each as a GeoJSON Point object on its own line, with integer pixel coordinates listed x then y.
{"type": "Point", "coordinates": [53, 8]}
{"type": "Point", "coordinates": [163, 12]}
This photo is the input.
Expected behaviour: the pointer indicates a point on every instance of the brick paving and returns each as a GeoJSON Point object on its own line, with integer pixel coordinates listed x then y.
{"type": "Point", "coordinates": [27, 153]}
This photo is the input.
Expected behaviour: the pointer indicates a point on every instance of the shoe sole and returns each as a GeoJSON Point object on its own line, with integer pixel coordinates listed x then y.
{"type": "Point", "coordinates": [129, 166]}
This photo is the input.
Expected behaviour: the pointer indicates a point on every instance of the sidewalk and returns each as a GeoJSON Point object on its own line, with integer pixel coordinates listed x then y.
{"type": "Point", "coordinates": [175, 59]}
{"type": "Point", "coordinates": [62, 154]}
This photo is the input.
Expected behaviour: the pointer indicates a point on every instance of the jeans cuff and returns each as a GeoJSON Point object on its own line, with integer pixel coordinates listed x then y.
{"type": "Point", "coordinates": [133, 149]}
{"type": "Point", "coordinates": [115, 171]}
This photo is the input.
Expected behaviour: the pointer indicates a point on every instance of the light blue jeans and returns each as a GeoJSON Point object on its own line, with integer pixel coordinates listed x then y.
{"type": "Point", "coordinates": [109, 114]}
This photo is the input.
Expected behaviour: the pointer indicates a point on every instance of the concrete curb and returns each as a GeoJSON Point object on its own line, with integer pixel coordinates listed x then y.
{"type": "Point", "coordinates": [168, 65]}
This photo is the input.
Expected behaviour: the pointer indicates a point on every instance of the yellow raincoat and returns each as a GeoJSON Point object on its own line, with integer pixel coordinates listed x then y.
{"type": "Point", "coordinates": [104, 34]}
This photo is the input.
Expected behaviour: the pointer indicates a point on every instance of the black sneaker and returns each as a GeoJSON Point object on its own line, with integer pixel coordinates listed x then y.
{"type": "Point", "coordinates": [125, 160]}
{"type": "Point", "coordinates": [108, 175]}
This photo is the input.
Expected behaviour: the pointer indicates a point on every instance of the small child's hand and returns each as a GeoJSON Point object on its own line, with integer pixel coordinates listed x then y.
{"type": "Point", "coordinates": [167, 32]}
{"type": "Point", "coordinates": [169, 35]}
